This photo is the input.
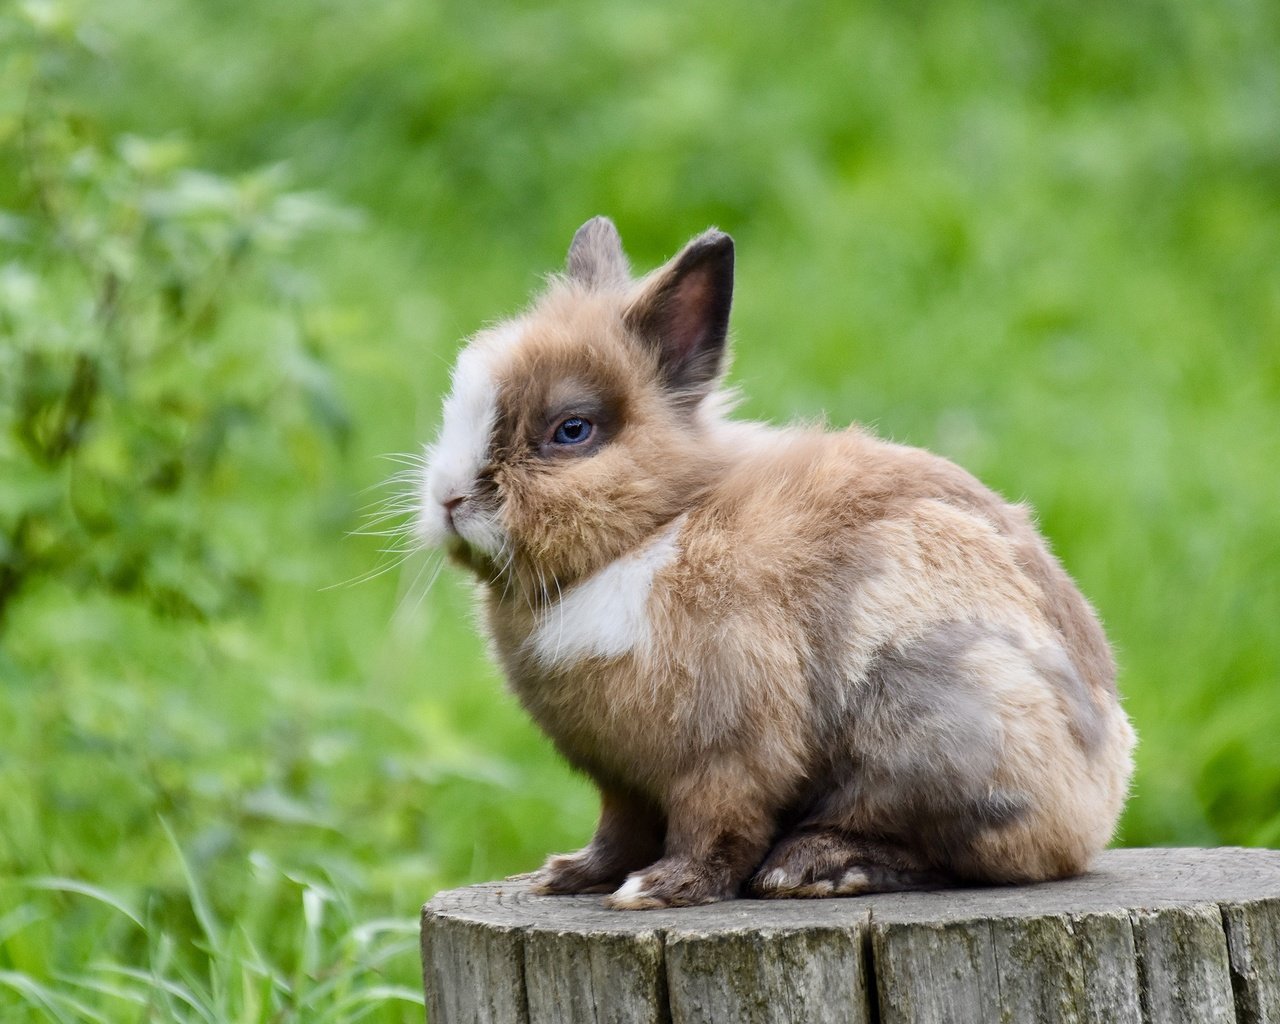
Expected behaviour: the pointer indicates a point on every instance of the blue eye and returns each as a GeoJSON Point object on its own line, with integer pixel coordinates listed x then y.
{"type": "Point", "coordinates": [574, 430]}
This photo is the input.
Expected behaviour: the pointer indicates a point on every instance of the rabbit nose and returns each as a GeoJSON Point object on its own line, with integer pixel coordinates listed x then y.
{"type": "Point", "coordinates": [450, 505]}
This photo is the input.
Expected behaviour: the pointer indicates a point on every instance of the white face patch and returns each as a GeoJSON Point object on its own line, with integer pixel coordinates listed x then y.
{"type": "Point", "coordinates": [461, 450]}
{"type": "Point", "coordinates": [607, 614]}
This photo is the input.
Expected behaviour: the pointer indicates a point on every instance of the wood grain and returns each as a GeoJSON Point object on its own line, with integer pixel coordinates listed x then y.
{"type": "Point", "coordinates": [1148, 936]}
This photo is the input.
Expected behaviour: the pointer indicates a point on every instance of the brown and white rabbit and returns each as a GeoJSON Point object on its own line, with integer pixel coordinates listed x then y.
{"type": "Point", "coordinates": [800, 662]}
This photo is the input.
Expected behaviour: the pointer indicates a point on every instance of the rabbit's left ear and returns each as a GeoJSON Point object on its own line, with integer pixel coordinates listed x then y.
{"type": "Point", "coordinates": [596, 258]}
{"type": "Point", "coordinates": [683, 311]}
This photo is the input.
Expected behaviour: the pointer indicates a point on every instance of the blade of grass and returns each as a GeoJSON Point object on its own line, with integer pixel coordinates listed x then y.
{"type": "Point", "coordinates": [199, 905]}
{"type": "Point", "coordinates": [49, 1001]}
{"type": "Point", "coordinates": [78, 888]}
{"type": "Point", "coordinates": [159, 984]}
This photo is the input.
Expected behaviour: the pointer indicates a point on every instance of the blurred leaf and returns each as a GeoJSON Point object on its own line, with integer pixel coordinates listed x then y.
{"type": "Point", "coordinates": [71, 885]}
{"type": "Point", "coordinates": [122, 386]}
{"type": "Point", "coordinates": [275, 805]}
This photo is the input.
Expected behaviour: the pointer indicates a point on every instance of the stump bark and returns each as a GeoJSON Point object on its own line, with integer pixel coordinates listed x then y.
{"type": "Point", "coordinates": [1151, 936]}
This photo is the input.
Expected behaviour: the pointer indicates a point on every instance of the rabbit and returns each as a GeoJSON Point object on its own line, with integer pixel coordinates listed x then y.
{"type": "Point", "coordinates": [795, 662]}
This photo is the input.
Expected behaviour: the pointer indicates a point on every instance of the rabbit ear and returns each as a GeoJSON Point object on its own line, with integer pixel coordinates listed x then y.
{"type": "Point", "coordinates": [683, 311]}
{"type": "Point", "coordinates": [596, 258]}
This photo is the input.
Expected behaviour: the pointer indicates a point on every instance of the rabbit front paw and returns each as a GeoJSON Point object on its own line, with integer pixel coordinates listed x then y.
{"type": "Point", "coordinates": [671, 882]}
{"type": "Point", "coordinates": [581, 872]}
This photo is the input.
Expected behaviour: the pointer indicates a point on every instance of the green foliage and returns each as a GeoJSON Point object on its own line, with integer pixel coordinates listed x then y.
{"type": "Point", "coordinates": [1041, 238]}
{"type": "Point", "coordinates": [335, 974]}
{"type": "Point", "coordinates": [125, 393]}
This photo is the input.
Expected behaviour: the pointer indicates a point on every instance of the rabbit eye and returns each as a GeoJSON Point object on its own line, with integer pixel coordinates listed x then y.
{"type": "Point", "coordinates": [574, 430]}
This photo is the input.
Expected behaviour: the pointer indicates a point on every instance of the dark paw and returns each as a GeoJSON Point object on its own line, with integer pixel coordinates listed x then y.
{"type": "Point", "coordinates": [816, 864]}
{"type": "Point", "coordinates": [569, 873]}
{"type": "Point", "coordinates": [671, 882]}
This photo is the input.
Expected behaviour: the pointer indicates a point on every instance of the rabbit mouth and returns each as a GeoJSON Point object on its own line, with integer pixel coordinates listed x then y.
{"type": "Point", "coordinates": [470, 556]}
{"type": "Point", "coordinates": [476, 540]}
{"type": "Point", "coordinates": [456, 546]}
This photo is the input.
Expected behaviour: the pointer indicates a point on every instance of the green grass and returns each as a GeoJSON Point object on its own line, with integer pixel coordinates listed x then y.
{"type": "Point", "coordinates": [1040, 239]}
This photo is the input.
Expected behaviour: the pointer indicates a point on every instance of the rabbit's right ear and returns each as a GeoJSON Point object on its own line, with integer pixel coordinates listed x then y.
{"type": "Point", "coordinates": [596, 258]}
{"type": "Point", "coordinates": [682, 311]}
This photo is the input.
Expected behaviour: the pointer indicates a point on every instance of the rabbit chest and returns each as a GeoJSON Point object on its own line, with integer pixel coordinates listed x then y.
{"type": "Point", "coordinates": [657, 660]}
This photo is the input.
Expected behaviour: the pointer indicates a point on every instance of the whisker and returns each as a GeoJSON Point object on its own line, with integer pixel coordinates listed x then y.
{"type": "Point", "coordinates": [405, 476]}
{"type": "Point", "coordinates": [392, 530]}
{"type": "Point", "coordinates": [391, 506]}
{"type": "Point", "coordinates": [372, 574]}
{"type": "Point", "coordinates": [406, 549]}
{"type": "Point", "coordinates": [397, 496]}
{"type": "Point", "coordinates": [399, 531]}
{"type": "Point", "coordinates": [403, 609]}
{"type": "Point", "coordinates": [406, 458]}
{"type": "Point", "coordinates": [370, 521]}
{"type": "Point", "coordinates": [501, 571]}
{"type": "Point", "coordinates": [524, 593]}
{"type": "Point", "coordinates": [407, 592]}
{"type": "Point", "coordinates": [559, 617]}
{"type": "Point", "coordinates": [544, 597]}
{"type": "Point", "coordinates": [431, 582]}
{"type": "Point", "coordinates": [400, 508]}
{"type": "Point", "coordinates": [506, 573]}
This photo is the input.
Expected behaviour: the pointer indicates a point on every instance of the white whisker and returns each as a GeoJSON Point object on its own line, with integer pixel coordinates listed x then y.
{"type": "Point", "coordinates": [372, 574]}
{"type": "Point", "coordinates": [417, 459]}
{"type": "Point", "coordinates": [559, 616]}
{"type": "Point", "coordinates": [372, 521]}
{"type": "Point", "coordinates": [402, 608]}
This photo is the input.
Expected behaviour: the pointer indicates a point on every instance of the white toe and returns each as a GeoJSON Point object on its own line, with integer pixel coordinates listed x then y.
{"type": "Point", "coordinates": [630, 889]}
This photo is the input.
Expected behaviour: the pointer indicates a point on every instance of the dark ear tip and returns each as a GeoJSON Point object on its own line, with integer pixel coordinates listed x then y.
{"type": "Point", "coordinates": [712, 244]}
{"type": "Point", "coordinates": [714, 238]}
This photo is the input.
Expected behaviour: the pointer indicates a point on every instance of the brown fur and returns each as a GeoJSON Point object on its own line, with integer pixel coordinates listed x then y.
{"type": "Point", "coordinates": [817, 661]}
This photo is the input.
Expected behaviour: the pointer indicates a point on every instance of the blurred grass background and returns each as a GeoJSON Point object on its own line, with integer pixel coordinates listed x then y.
{"type": "Point", "coordinates": [1043, 239]}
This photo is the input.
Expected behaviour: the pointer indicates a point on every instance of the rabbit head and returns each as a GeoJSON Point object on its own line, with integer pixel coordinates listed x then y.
{"type": "Point", "coordinates": [579, 427]}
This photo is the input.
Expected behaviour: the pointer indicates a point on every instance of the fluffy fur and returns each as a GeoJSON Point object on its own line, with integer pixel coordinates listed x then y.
{"type": "Point", "coordinates": [794, 662]}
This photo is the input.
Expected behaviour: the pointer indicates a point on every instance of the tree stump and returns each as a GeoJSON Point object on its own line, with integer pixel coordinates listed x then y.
{"type": "Point", "coordinates": [1152, 936]}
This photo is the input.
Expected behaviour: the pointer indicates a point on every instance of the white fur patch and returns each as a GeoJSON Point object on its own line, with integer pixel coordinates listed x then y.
{"type": "Point", "coordinates": [462, 448]}
{"type": "Point", "coordinates": [631, 895]}
{"type": "Point", "coordinates": [606, 615]}
{"type": "Point", "coordinates": [633, 886]}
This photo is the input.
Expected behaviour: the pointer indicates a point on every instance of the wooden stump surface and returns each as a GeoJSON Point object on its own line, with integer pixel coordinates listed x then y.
{"type": "Point", "coordinates": [1153, 936]}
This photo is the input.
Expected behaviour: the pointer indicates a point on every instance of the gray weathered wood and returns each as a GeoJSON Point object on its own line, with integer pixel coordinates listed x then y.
{"type": "Point", "coordinates": [1055, 968]}
{"type": "Point", "coordinates": [791, 974]}
{"type": "Point", "coordinates": [936, 972]}
{"type": "Point", "coordinates": [595, 978]}
{"type": "Point", "coordinates": [1148, 936]}
{"type": "Point", "coordinates": [473, 971]}
{"type": "Point", "coordinates": [1253, 942]}
{"type": "Point", "coordinates": [1108, 981]}
{"type": "Point", "coordinates": [1183, 964]}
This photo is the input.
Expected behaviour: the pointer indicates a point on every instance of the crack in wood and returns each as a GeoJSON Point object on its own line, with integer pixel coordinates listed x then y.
{"type": "Point", "coordinates": [1149, 936]}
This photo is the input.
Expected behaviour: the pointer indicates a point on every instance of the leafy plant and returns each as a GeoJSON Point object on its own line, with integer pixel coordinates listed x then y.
{"type": "Point", "coordinates": [154, 342]}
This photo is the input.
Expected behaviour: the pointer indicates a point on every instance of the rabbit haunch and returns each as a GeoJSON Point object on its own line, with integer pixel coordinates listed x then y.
{"type": "Point", "coordinates": [801, 662]}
